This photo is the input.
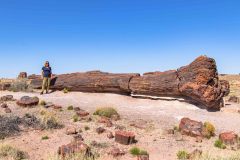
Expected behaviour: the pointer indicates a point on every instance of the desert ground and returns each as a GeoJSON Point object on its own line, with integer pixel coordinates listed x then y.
{"type": "Point", "coordinates": [153, 118]}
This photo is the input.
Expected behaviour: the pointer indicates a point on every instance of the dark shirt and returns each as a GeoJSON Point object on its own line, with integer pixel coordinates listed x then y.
{"type": "Point", "coordinates": [47, 71]}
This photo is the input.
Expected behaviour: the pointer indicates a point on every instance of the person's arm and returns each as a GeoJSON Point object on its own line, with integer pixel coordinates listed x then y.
{"type": "Point", "coordinates": [42, 73]}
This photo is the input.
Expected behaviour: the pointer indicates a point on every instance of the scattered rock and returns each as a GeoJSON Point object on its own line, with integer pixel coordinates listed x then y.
{"type": "Point", "coordinates": [22, 75]}
{"type": "Point", "coordinates": [120, 127]}
{"type": "Point", "coordinates": [4, 86]}
{"type": "Point", "coordinates": [82, 113]}
{"type": "Point", "coordinates": [57, 107]}
{"type": "Point", "coordinates": [7, 110]}
{"type": "Point", "coordinates": [124, 137]}
{"type": "Point", "coordinates": [4, 105]}
{"type": "Point", "coordinates": [73, 147]}
{"type": "Point", "coordinates": [199, 139]}
{"type": "Point", "coordinates": [170, 131]}
{"type": "Point", "coordinates": [106, 120]}
{"type": "Point", "coordinates": [116, 152]}
{"type": "Point", "coordinates": [110, 135]}
{"type": "Point", "coordinates": [115, 117]}
{"type": "Point", "coordinates": [7, 98]}
{"type": "Point", "coordinates": [141, 124]}
{"type": "Point", "coordinates": [27, 101]}
{"type": "Point", "coordinates": [228, 138]}
{"type": "Point", "coordinates": [190, 127]}
{"type": "Point", "coordinates": [234, 99]}
{"type": "Point", "coordinates": [71, 130]}
{"type": "Point", "coordinates": [78, 137]}
{"type": "Point", "coordinates": [48, 105]}
{"type": "Point", "coordinates": [94, 143]}
{"type": "Point", "coordinates": [143, 157]}
{"type": "Point", "coordinates": [100, 130]}
{"type": "Point", "coordinates": [76, 109]}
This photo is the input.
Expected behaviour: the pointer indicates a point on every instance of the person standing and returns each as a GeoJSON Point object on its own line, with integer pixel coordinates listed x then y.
{"type": "Point", "coordinates": [46, 76]}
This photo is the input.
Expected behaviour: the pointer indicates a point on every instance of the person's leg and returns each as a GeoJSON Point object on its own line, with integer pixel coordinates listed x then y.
{"type": "Point", "coordinates": [48, 84]}
{"type": "Point", "coordinates": [44, 84]}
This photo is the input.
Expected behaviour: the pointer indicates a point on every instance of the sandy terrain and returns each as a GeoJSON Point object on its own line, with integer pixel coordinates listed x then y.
{"type": "Point", "coordinates": [159, 115]}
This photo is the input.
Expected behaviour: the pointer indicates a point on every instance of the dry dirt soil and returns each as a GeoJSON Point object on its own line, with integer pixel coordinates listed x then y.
{"type": "Point", "coordinates": [155, 116]}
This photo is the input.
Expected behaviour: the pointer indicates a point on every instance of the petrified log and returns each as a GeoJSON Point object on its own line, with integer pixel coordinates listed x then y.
{"type": "Point", "coordinates": [94, 81]}
{"type": "Point", "coordinates": [197, 81]}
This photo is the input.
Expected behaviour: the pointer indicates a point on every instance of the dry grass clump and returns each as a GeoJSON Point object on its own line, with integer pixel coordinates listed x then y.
{"type": "Point", "coordinates": [42, 103]}
{"type": "Point", "coordinates": [93, 155]}
{"type": "Point", "coordinates": [209, 130]}
{"type": "Point", "coordinates": [65, 90]}
{"type": "Point", "coordinates": [106, 112]}
{"type": "Point", "coordinates": [182, 155]}
{"type": "Point", "coordinates": [20, 85]}
{"type": "Point", "coordinates": [9, 152]}
{"type": "Point", "coordinates": [219, 144]}
{"type": "Point", "coordinates": [49, 120]}
{"type": "Point", "coordinates": [9, 126]}
{"type": "Point", "coordinates": [135, 151]}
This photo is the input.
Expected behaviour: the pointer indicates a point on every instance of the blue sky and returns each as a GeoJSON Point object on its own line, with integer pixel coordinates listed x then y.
{"type": "Point", "coordinates": [117, 36]}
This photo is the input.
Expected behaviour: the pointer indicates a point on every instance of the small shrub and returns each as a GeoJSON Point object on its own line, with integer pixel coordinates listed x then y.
{"type": "Point", "coordinates": [209, 130]}
{"type": "Point", "coordinates": [75, 118]}
{"type": "Point", "coordinates": [20, 85]}
{"type": "Point", "coordinates": [8, 152]}
{"type": "Point", "coordinates": [182, 155]}
{"type": "Point", "coordinates": [42, 103]}
{"type": "Point", "coordinates": [106, 112]}
{"type": "Point", "coordinates": [45, 137]}
{"type": "Point", "coordinates": [70, 108]}
{"type": "Point", "coordinates": [86, 128]}
{"type": "Point", "coordinates": [65, 90]}
{"type": "Point", "coordinates": [135, 151]}
{"type": "Point", "coordinates": [50, 121]}
{"type": "Point", "coordinates": [176, 128]}
{"type": "Point", "coordinates": [143, 152]}
{"type": "Point", "coordinates": [9, 126]}
{"type": "Point", "coordinates": [219, 144]}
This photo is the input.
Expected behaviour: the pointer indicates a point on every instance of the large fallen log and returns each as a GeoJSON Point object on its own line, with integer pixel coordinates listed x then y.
{"type": "Point", "coordinates": [197, 81]}
{"type": "Point", "coordinates": [93, 81]}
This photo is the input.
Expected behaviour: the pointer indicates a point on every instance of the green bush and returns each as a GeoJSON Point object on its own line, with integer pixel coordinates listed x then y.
{"type": "Point", "coordinates": [70, 108]}
{"type": "Point", "coordinates": [86, 128]}
{"type": "Point", "coordinates": [106, 112]}
{"type": "Point", "coordinates": [75, 118]}
{"type": "Point", "coordinates": [65, 90]}
{"type": "Point", "coordinates": [209, 129]}
{"type": "Point", "coordinates": [42, 103]}
{"type": "Point", "coordinates": [45, 137]}
{"type": "Point", "coordinates": [8, 152]}
{"type": "Point", "coordinates": [219, 144]}
{"type": "Point", "coordinates": [182, 155]}
{"type": "Point", "coordinates": [135, 151]}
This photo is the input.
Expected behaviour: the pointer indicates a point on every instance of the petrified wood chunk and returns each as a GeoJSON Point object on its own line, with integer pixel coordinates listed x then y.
{"type": "Point", "coordinates": [190, 127]}
{"type": "Point", "coordinates": [228, 138]}
{"type": "Point", "coordinates": [197, 81]}
{"type": "Point", "coordinates": [75, 147]}
{"type": "Point", "coordinates": [124, 137]}
{"type": "Point", "coordinates": [22, 75]}
{"type": "Point", "coordinates": [94, 81]}
{"type": "Point", "coordinates": [27, 101]}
